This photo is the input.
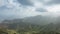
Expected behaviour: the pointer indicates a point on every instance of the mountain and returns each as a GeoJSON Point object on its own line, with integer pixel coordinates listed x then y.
{"type": "Point", "coordinates": [37, 20]}
{"type": "Point", "coordinates": [37, 24]}
{"type": "Point", "coordinates": [41, 20]}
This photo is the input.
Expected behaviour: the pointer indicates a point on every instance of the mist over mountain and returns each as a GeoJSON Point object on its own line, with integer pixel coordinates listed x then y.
{"type": "Point", "coordinates": [39, 24]}
{"type": "Point", "coordinates": [40, 20]}
{"type": "Point", "coordinates": [29, 16]}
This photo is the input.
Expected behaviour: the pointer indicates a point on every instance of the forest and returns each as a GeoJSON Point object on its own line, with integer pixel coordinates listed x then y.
{"type": "Point", "coordinates": [17, 26]}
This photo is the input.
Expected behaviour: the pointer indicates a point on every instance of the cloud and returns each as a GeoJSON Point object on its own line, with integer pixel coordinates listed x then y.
{"type": "Point", "coordinates": [41, 10]}
{"type": "Point", "coordinates": [56, 1]}
{"type": "Point", "coordinates": [16, 10]}
{"type": "Point", "coordinates": [3, 2]}
{"type": "Point", "coordinates": [26, 8]}
{"type": "Point", "coordinates": [53, 2]}
{"type": "Point", "coordinates": [25, 2]}
{"type": "Point", "coordinates": [53, 8]}
{"type": "Point", "coordinates": [38, 4]}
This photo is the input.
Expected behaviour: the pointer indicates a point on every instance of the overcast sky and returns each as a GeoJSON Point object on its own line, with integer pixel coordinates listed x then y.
{"type": "Point", "coordinates": [26, 8]}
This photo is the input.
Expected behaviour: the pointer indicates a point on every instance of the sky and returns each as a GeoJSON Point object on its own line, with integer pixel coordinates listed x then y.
{"type": "Point", "coordinates": [10, 9]}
